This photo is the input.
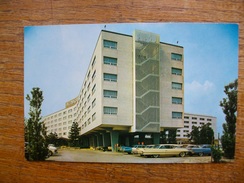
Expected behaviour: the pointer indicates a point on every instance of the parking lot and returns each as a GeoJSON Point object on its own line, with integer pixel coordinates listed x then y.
{"type": "Point", "coordinates": [88, 155]}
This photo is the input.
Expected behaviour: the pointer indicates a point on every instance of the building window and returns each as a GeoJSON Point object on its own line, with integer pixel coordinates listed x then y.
{"type": "Point", "coordinates": [176, 56]}
{"type": "Point", "coordinates": [186, 117]}
{"type": "Point", "coordinates": [186, 126]}
{"type": "Point", "coordinates": [176, 100]}
{"type": "Point", "coordinates": [194, 122]}
{"type": "Point", "coordinates": [93, 116]}
{"type": "Point", "coordinates": [186, 121]}
{"type": "Point", "coordinates": [202, 119]}
{"type": "Point", "coordinates": [176, 71]}
{"type": "Point", "coordinates": [110, 44]}
{"type": "Point", "coordinates": [194, 118]}
{"type": "Point", "coordinates": [93, 103]}
{"type": "Point", "coordinates": [94, 61]}
{"type": "Point", "coordinates": [110, 94]}
{"type": "Point", "coordinates": [209, 119]}
{"type": "Point", "coordinates": [110, 110]}
{"type": "Point", "coordinates": [89, 121]}
{"type": "Point", "coordinates": [88, 74]}
{"type": "Point", "coordinates": [93, 89]}
{"type": "Point", "coordinates": [93, 75]}
{"type": "Point", "coordinates": [110, 60]}
{"type": "Point", "coordinates": [88, 98]}
{"type": "Point", "coordinates": [110, 77]}
{"type": "Point", "coordinates": [176, 86]}
{"type": "Point", "coordinates": [177, 115]}
{"type": "Point", "coordinates": [88, 86]}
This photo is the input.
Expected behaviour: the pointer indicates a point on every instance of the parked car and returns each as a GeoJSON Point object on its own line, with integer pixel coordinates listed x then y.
{"type": "Point", "coordinates": [164, 150]}
{"type": "Point", "coordinates": [52, 149]}
{"type": "Point", "coordinates": [127, 149]}
{"type": "Point", "coordinates": [190, 146]}
{"type": "Point", "coordinates": [135, 148]}
{"type": "Point", "coordinates": [139, 149]}
{"type": "Point", "coordinates": [201, 150]}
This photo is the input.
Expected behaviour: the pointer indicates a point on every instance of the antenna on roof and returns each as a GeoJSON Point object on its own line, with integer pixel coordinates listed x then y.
{"type": "Point", "coordinates": [105, 27]}
{"type": "Point", "coordinates": [177, 42]}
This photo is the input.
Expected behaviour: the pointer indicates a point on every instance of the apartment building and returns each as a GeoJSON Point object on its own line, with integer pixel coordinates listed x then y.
{"type": "Point", "coordinates": [134, 85]}
{"type": "Point", "coordinates": [197, 120]}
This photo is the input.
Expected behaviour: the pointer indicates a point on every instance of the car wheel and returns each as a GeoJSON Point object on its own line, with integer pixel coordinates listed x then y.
{"type": "Point", "coordinates": [50, 153]}
{"type": "Point", "coordinates": [156, 155]}
{"type": "Point", "coordinates": [200, 154]}
{"type": "Point", "coordinates": [182, 154]}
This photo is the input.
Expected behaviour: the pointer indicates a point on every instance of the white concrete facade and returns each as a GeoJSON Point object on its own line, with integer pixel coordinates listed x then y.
{"type": "Point", "coordinates": [108, 96]}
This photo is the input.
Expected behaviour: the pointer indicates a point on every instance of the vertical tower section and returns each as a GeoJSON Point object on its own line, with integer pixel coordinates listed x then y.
{"type": "Point", "coordinates": [147, 81]}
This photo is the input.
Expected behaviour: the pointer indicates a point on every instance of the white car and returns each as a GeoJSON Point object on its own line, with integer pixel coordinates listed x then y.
{"type": "Point", "coordinates": [165, 150]}
{"type": "Point", "coordinates": [52, 150]}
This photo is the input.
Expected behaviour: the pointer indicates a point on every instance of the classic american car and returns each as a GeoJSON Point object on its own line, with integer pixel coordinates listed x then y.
{"type": "Point", "coordinates": [164, 150]}
{"type": "Point", "coordinates": [201, 150]}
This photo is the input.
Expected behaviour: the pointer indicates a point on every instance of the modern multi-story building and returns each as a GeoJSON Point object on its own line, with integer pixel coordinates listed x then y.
{"type": "Point", "coordinates": [133, 86]}
{"type": "Point", "coordinates": [197, 120]}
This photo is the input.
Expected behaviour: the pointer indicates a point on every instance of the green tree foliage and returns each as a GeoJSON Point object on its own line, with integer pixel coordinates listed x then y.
{"type": "Point", "coordinates": [74, 134]}
{"type": "Point", "coordinates": [229, 107]}
{"type": "Point", "coordinates": [52, 138]}
{"type": "Point", "coordinates": [201, 135]}
{"type": "Point", "coordinates": [35, 129]}
{"type": "Point", "coordinates": [194, 135]}
{"type": "Point", "coordinates": [206, 134]}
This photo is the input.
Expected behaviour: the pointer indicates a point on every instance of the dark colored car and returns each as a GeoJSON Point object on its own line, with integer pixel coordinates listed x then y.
{"type": "Point", "coordinates": [127, 149]}
{"type": "Point", "coordinates": [201, 150]}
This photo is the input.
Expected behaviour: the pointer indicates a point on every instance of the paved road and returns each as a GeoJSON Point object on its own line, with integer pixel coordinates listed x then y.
{"type": "Point", "coordinates": [87, 155]}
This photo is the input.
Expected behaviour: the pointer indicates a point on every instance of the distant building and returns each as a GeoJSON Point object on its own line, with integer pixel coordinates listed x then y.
{"type": "Point", "coordinates": [197, 120]}
{"type": "Point", "coordinates": [134, 87]}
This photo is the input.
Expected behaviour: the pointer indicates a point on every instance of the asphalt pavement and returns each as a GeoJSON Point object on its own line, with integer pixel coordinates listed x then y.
{"type": "Point", "coordinates": [89, 155]}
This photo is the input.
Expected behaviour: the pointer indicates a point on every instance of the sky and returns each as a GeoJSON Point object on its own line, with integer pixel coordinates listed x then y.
{"type": "Point", "coordinates": [56, 59]}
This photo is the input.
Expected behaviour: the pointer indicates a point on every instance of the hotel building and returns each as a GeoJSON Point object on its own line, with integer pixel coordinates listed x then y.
{"type": "Point", "coordinates": [134, 86]}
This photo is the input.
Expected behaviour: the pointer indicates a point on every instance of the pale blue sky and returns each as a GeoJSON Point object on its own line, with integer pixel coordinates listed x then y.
{"type": "Point", "coordinates": [56, 59]}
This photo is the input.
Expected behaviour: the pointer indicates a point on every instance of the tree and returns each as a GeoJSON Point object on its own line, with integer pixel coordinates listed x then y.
{"type": "Point", "coordinates": [206, 134]}
{"type": "Point", "coordinates": [35, 129]}
{"type": "Point", "coordinates": [74, 134]}
{"type": "Point", "coordinates": [202, 135]}
{"type": "Point", "coordinates": [229, 107]}
{"type": "Point", "coordinates": [194, 135]}
{"type": "Point", "coordinates": [52, 138]}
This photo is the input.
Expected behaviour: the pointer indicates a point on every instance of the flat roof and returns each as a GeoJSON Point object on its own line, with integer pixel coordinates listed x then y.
{"type": "Point", "coordinates": [131, 36]}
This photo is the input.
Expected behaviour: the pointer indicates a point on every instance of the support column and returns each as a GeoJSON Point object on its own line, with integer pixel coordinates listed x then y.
{"type": "Point", "coordinates": [114, 140]}
{"type": "Point", "coordinates": [99, 140]}
{"type": "Point", "coordinates": [106, 139]}
{"type": "Point", "coordinates": [156, 138]}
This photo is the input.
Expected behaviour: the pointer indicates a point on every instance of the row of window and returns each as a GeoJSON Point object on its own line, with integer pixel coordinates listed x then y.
{"type": "Point", "coordinates": [113, 45]}
{"type": "Point", "coordinates": [195, 118]}
{"type": "Point", "coordinates": [194, 122]}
